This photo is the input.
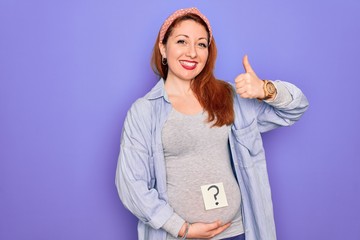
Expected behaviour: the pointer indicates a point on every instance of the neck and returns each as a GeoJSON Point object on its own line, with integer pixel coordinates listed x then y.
{"type": "Point", "coordinates": [178, 87]}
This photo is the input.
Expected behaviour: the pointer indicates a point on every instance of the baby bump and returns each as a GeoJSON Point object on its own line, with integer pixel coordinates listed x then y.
{"type": "Point", "coordinates": [188, 200]}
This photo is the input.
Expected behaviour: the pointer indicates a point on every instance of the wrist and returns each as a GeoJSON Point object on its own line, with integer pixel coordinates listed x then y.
{"type": "Point", "coordinates": [262, 90]}
{"type": "Point", "coordinates": [184, 230]}
{"type": "Point", "coordinates": [269, 90]}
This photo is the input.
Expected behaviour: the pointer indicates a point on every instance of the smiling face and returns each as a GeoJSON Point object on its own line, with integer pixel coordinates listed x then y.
{"type": "Point", "coordinates": [186, 50]}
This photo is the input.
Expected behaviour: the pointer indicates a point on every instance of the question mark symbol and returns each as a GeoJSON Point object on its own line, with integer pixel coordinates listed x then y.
{"type": "Point", "coordinates": [217, 192]}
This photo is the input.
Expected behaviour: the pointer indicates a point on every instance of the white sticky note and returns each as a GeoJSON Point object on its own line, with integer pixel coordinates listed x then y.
{"type": "Point", "coordinates": [214, 196]}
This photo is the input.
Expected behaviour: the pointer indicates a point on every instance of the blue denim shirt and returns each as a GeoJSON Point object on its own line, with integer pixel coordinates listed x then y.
{"type": "Point", "coordinates": [141, 171]}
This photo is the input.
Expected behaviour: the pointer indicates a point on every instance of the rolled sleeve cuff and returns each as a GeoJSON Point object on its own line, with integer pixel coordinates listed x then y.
{"type": "Point", "coordinates": [161, 217]}
{"type": "Point", "coordinates": [173, 225]}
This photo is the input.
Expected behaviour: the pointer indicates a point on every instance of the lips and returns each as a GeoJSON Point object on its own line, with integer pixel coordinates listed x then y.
{"type": "Point", "coordinates": [188, 65]}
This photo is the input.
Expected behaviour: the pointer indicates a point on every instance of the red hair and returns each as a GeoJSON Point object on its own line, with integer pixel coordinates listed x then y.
{"type": "Point", "coordinates": [214, 95]}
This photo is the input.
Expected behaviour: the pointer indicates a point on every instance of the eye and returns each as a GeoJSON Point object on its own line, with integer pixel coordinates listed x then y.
{"type": "Point", "coordinates": [203, 45]}
{"type": "Point", "coordinates": [181, 41]}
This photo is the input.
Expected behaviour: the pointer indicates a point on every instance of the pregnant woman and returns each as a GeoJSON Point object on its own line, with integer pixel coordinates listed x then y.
{"type": "Point", "coordinates": [191, 162]}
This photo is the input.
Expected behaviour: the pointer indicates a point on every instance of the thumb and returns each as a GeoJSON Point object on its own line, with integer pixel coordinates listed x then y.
{"type": "Point", "coordinates": [247, 65]}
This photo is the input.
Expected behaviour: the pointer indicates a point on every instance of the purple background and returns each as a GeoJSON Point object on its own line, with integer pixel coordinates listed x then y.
{"type": "Point", "coordinates": [69, 70]}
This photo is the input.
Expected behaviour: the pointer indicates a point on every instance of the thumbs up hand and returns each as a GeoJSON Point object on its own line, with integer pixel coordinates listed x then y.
{"type": "Point", "coordinates": [247, 84]}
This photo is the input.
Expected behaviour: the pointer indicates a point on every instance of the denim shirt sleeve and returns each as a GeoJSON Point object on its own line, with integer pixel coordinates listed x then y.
{"type": "Point", "coordinates": [288, 106]}
{"type": "Point", "coordinates": [134, 173]}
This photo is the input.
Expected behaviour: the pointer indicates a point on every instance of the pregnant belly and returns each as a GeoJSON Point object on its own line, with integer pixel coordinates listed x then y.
{"type": "Point", "coordinates": [187, 200]}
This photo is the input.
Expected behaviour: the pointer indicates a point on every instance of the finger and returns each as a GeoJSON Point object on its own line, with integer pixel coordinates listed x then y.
{"type": "Point", "coordinates": [240, 77]}
{"type": "Point", "coordinates": [242, 80]}
{"type": "Point", "coordinates": [214, 225]}
{"type": "Point", "coordinates": [225, 226]}
{"type": "Point", "coordinates": [241, 91]}
{"type": "Point", "coordinates": [245, 79]}
{"type": "Point", "coordinates": [245, 95]}
{"type": "Point", "coordinates": [221, 229]}
{"type": "Point", "coordinates": [247, 65]}
{"type": "Point", "coordinates": [240, 84]}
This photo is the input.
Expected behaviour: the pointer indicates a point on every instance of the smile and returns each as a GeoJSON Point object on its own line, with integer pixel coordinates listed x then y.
{"type": "Point", "coordinates": [189, 65]}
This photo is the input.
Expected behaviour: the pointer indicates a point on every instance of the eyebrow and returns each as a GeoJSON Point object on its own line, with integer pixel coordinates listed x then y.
{"type": "Point", "coordinates": [184, 35]}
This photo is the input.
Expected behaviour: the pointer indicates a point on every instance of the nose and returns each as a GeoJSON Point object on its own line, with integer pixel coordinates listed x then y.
{"type": "Point", "coordinates": [191, 51]}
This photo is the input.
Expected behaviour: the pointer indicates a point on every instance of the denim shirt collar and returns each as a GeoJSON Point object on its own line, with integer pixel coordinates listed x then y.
{"type": "Point", "coordinates": [158, 91]}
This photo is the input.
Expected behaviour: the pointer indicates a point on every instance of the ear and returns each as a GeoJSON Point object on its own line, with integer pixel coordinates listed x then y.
{"type": "Point", "coordinates": [162, 50]}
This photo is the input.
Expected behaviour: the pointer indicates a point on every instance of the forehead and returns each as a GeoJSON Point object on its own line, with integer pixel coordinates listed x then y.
{"type": "Point", "coordinates": [190, 28]}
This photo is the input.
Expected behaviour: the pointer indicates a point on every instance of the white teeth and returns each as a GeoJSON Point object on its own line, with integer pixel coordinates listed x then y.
{"type": "Point", "coordinates": [189, 64]}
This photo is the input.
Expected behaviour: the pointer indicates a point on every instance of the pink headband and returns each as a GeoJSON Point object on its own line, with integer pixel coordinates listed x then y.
{"type": "Point", "coordinates": [180, 13]}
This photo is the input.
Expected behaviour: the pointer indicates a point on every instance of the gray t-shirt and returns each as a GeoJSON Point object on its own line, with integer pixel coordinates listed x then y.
{"type": "Point", "coordinates": [197, 154]}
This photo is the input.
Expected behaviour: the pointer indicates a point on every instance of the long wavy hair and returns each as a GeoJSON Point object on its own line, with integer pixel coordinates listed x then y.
{"type": "Point", "coordinates": [214, 95]}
